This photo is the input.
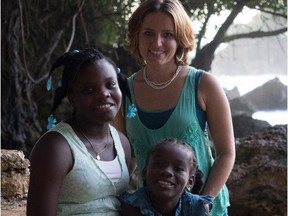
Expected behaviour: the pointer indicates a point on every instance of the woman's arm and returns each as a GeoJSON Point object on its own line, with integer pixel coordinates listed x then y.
{"type": "Point", "coordinates": [213, 100]}
{"type": "Point", "coordinates": [50, 160]}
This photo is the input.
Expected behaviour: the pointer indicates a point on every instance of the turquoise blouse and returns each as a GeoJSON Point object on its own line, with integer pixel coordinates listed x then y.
{"type": "Point", "coordinates": [182, 124]}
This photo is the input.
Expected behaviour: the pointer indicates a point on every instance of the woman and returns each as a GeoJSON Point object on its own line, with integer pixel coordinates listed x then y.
{"type": "Point", "coordinates": [175, 100]}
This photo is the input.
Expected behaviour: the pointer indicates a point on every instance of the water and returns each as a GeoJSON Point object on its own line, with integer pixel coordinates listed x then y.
{"type": "Point", "coordinates": [272, 117]}
{"type": "Point", "coordinates": [246, 83]}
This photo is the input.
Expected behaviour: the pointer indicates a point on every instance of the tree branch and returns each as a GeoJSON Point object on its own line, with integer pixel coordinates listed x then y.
{"type": "Point", "coordinates": [74, 26]}
{"type": "Point", "coordinates": [255, 34]}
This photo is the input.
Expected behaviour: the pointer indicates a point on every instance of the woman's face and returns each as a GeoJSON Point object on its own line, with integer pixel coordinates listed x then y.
{"type": "Point", "coordinates": [95, 92]}
{"type": "Point", "coordinates": [168, 173]}
{"type": "Point", "coordinates": [157, 43]}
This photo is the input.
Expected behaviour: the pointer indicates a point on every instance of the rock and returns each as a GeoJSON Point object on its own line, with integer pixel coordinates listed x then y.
{"type": "Point", "coordinates": [272, 95]}
{"type": "Point", "coordinates": [13, 160]}
{"type": "Point", "coordinates": [244, 125]}
{"type": "Point", "coordinates": [14, 173]}
{"type": "Point", "coordinates": [233, 93]}
{"type": "Point", "coordinates": [240, 106]}
{"type": "Point", "coordinates": [258, 182]}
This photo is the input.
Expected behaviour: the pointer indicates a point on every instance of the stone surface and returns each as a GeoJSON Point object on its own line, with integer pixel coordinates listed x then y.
{"type": "Point", "coordinates": [233, 93]}
{"type": "Point", "coordinates": [272, 95]}
{"type": "Point", "coordinates": [14, 173]}
{"type": "Point", "coordinates": [244, 125]}
{"type": "Point", "coordinates": [258, 182]}
{"type": "Point", "coordinates": [240, 106]}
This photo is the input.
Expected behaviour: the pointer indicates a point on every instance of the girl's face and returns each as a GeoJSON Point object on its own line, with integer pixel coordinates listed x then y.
{"type": "Point", "coordinates": [168, 173]}
{"type": "Point", "coordinates": [95, 92]}
{"type": "Point", "coordinates": [157, 44]}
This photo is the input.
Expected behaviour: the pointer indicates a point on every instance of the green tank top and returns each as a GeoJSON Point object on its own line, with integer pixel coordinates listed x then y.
{"type": "Point", "coordinates": [182, 124]}
{"type": "Point", "coordinates": [86, 189]}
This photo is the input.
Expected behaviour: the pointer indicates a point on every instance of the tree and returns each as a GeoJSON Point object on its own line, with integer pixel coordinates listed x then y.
{"type": "Point", "coordinates": [33, 34]}
{"type": "Point", "coordinates": [203, 10]}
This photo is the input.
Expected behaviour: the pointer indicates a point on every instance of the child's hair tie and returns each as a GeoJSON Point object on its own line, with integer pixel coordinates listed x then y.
{"type": "Point", "coordinates": [75, 51]}
{"type": "Point", "coordinates": [49, 84]}
{"type": "Point", "coordinates": [132, 110]}
{"type": "Point", "coordinates": [118, 70]}
{"type": "Point", "coordinates": [51, 122]}
{"type": "Point", "coordinates": [59, 83]}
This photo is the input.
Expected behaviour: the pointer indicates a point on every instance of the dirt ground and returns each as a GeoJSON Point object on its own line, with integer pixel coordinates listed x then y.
{"type": "Point", "coordinates": [13, 207]}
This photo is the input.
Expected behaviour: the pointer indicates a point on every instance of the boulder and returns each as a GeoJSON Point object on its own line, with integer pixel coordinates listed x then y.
{"type": "Point", "coordinates": [272, 95]}
{"type": "Point", "coordinates": [244, 125]}
{"type": "Point", "coordinates": [14, 173]}
{"type": "Point", "coordinates": [258, 182]}
{"type": "Point", "coordinates": [233, 93]}
{"type": "Point", "coordinates": [241, 106]}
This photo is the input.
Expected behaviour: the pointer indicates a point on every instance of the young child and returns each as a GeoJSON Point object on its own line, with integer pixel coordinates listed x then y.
{"type": "Point", "coordinates": [168, 177]}
{"type": "Point", "coordinates": [79, 167]}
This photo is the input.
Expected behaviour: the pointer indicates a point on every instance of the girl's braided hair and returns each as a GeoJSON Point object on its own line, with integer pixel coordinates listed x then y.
{"type": "Point", "coordinates": [73, 61]}
{"type": "Point", "coordinates": [194, 169]}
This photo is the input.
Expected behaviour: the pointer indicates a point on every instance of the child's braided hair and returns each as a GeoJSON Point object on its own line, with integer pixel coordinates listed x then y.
{"type": "Point", "coordinates": [194, 169]}
{"type": "Point", "coordinates": [73, 61]}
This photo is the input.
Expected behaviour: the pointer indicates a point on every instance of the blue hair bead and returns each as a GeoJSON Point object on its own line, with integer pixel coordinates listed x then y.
{"type": "Point", "coordinates": [75, 51]}
{"type": "Point", "coordinates": [59, 83]}
{"type": "Point", "coordinates": [118, 70]}
{"type": "Point", "coordinates": [51, 122]}
{"type": "Point", "coordinates": [132, 110]}
{"type": "Point", "coordinates": [49, 84]}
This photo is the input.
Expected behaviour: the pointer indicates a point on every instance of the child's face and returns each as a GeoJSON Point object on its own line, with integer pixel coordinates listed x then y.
{"type": "Point", "coordinates": [168, 173]}
{"type": "Point", "coordinates": [95, 92]}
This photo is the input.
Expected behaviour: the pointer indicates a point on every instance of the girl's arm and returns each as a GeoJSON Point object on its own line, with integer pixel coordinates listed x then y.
{"type": "Point", "coordinates": [119, 121]}
{"type": "Point", "coordinates": [213, 100]}
{"type": "Point", "coordinates": [128, 210]}
{"type": "Point", "coordinates": [50, 160]}
{"type": "Point", "coordinates": [127, 149]}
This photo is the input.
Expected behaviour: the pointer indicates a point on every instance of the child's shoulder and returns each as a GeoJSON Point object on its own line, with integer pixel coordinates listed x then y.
{"type": "Point", "coordinates": [138, 195]}
{"type": "Point", "coordinates": [137, 200]}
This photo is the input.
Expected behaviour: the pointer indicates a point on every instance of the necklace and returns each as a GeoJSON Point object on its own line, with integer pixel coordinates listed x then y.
{"type": "Point", "coordinates": [161, 85]}
{"type": "Point", "coordinates": [97, 153]}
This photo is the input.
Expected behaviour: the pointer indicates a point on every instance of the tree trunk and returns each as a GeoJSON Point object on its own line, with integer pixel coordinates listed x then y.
{"type": "Point", "coordinates": [205, 56]}
{"type": "Point", "coordinates": [19, 115]}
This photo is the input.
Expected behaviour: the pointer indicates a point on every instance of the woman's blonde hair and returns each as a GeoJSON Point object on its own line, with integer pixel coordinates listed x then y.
{"type": "Point", "coordinates": [182, 23]}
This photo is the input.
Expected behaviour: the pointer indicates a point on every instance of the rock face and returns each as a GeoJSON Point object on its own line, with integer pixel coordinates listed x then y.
{"type": "Point", "coordinates": [14, 173]}
{"type": "Point", "coordinates": [258, 182]}
{"type": "Point", "coordinates": [244, 125]}
{"type": "Point", "coordinates": [272, 95]}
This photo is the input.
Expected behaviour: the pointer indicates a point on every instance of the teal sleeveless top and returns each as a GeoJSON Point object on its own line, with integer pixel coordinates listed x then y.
{"type": "Point", "coordinates": [86, 189]}
{"type": "Point", "coordinates": [182, 124]}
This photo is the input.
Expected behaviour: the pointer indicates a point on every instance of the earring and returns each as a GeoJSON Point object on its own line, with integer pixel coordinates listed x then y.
{"type": "Point", "coordinates": [189, 187]}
